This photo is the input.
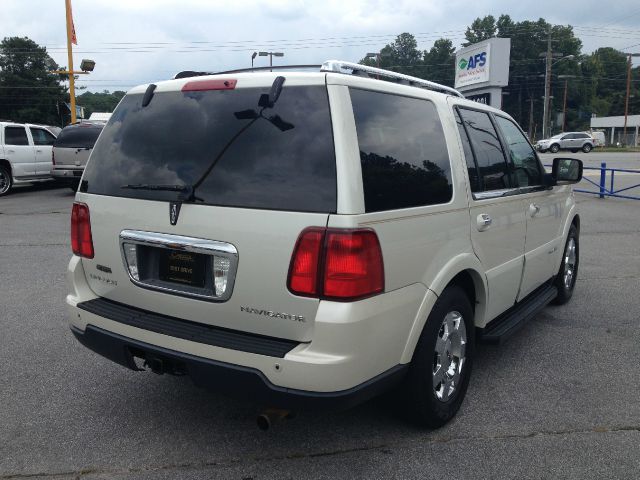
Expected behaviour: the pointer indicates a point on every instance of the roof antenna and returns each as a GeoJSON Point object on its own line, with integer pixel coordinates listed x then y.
{"type": "Point", "coordinates": [148, 95]}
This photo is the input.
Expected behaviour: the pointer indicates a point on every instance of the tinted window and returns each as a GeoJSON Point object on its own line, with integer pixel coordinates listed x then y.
{"type": "Point", "coordinates": [472, 168]}
{"type": "Point", "coordinates": [78, 136]}
{"type": "Point", "coordinates": [15, 136]}
{"type": "Point", "coordinates": [403, 151]}
{"type": "Point", "coordinates": [487, 149]}
{"type": "Point", "coordinates": [526, 166]}
{"type": "Point", "coordinates": [582, 135]}
{"type": "Point", "coordinates": [282, 160]}
{"type": "Point", "coordinates": [41, 136]}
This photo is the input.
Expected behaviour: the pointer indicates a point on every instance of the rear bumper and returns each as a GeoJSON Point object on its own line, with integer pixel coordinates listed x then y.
{"type": "Point", "coordinates": [67, 173]}
{"type": "Point", "coordinates": [232, 380]}
{"type": "Point", "coordinates": [354, 348]}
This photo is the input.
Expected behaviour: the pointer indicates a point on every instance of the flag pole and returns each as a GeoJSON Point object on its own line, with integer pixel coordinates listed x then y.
{"type": "Point", "coordinates": [72, 87]}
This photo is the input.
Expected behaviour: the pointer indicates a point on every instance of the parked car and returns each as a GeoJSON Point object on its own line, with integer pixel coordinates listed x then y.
{"type": "Point", "coordinates": [573, 141]}
{"type": "Point", "coordinates": [312, 239]}
{"type": "Point", "coordinates": [25, 154]}
{"type": "Point", "coordinates": [71, 151]}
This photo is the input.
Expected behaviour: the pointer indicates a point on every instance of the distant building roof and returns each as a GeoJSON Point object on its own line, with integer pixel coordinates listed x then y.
{"type": "Point", "coordinates": [102, 116]}
{"type": "Point", "coordinates": [608, 122]}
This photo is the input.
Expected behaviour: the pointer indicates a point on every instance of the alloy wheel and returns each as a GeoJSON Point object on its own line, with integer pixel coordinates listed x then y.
{"type": "Point", "coordinates": [449, 356]}
{"type": "Point", "coordinates": [569, 263]}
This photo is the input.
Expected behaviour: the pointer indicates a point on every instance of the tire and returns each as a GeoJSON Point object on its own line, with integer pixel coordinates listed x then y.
{"type": "Point", "coordinates": [586, 148]}
{"type": "Point", "coordinates": [430, 402]}
{"type": "Point", "coordinates": [554, 148]}
{"type": "Point", "coordinates": [6, 180]}
{"type": "Point", "coordinates": [564, 284]}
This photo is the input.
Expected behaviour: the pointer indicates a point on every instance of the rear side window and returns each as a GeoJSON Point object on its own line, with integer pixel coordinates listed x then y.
{"type": "Point", "coordinates": [492, 166]}
{"type": "Point", "coordinates": [221, 141]}
{"type": "Point", "coordinates": [472, 168]}
{"type": "Point", "coordinates": [15, 136]}
{"type": "Point", "coordinates": [403, 151]}
{"type": "Point", "coordinates": [78, 137]}
{"type": "Point", "coordinates": [41, 136]}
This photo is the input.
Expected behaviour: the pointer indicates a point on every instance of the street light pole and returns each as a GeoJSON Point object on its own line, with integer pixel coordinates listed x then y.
{"type": "Point", "coordinates": [271, 55]}
{"type": "Point", "coordinates": [626, 101]}
{"type": "Point", "coordinates": [253, 55]}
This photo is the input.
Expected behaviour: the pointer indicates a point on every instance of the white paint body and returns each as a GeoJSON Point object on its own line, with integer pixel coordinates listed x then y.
{"type": "Point", "coordinates": [342, 344]}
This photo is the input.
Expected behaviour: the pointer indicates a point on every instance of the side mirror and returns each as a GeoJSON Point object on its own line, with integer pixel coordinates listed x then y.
{"type": "Point", "coordinates": [566, 171]}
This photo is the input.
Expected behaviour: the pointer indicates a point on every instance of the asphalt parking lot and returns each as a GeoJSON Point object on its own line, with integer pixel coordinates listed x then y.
{"type": "Point", "coordinates": [559, 400]}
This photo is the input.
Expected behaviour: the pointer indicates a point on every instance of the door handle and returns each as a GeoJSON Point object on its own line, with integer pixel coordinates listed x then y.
{"type": "Point", "coordinates": [534, 209]}
{"type": "Point", "coordinates": [38, 151]}
{"type": "Point", "coordinates": [11, 151]}
{"type": "Point", "coordinates": [483, 222]}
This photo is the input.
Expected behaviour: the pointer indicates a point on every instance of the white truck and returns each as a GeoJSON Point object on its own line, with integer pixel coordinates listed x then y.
{"type": "Point", "coordinates": [25, 154]}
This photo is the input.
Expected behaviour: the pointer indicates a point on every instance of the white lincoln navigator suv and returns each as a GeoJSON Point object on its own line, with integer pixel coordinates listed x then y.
{"type": "Point", "coordinates": [312, 239]}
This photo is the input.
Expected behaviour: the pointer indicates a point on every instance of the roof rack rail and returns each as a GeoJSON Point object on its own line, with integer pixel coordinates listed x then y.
{"type": "Point", "coordinates": [363, 70]}
{"type": "Point", "coordinates": [190, 73]}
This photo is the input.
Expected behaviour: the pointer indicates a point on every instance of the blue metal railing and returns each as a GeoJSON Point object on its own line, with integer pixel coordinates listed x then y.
{"type": "Point", "coordinates": [603, 191]}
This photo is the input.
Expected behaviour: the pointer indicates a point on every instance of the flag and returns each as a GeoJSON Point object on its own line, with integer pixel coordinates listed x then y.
{"type": "Point", "coordinates": [74, 40]}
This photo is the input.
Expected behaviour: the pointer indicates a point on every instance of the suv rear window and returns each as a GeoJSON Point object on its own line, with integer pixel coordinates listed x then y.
{"type": "Point", "coordinates": [403, 151]}
{"type": "Point", "coordinates": [78, 136]}
{"type": "Point", "coordinates": [282, 160]}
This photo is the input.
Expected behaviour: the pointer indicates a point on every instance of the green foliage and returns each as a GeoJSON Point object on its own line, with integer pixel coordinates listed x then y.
{"type": "Point", "coordinates": [28, 91]}
{"type": "Point", "coordinates": [99, 102]}
{"type": "Point", "coordinates": [439, 62]}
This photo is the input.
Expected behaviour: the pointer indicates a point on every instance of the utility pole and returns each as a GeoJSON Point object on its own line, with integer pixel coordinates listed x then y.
{"type": "Point", "coordinates": [531, 119]}
{"type": "Point", "coordinates": [564, 106]}
{"type": "Point", "coordinates": [626, 101]}
{"type": "Point", "coordinates": [547, 86]}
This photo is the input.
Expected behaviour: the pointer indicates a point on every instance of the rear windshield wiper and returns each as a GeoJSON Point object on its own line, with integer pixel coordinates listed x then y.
{"type": "Point", "coordinates": [187, 192]}
{"type": "Point", "coordinates": [149, 186]}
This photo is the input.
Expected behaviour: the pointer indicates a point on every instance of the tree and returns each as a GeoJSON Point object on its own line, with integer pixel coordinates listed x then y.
{"type": "Point", "coordinates": [439, 62]}
{"type": "Point", "coordinates": [28, 91]}
{"type": "Point", "coordinates": [99, 102]}
{"type": "Point", "coordinates": [400, 56]}
{"type": "Point", "coordinates": [481, 29]}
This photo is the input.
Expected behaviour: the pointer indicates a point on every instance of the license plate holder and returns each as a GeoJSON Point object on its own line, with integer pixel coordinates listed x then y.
{"type": "Point", "coordinates": [182, 268]}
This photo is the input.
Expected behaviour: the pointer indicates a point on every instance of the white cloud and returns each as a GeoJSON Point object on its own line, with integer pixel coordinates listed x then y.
{"type": "Point", "coordinates": [162, 33]}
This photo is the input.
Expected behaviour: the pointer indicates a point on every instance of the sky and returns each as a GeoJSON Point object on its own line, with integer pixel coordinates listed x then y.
{"type": "Point", "coordinates": [140, 41]}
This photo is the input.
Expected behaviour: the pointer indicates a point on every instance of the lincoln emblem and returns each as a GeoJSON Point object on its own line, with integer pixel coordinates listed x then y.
{"type": "Point", "coordinates": [174, 212]}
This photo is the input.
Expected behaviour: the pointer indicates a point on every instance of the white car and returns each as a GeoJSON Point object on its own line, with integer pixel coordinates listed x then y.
{"type": "Point", "coordinates": [25, 154]}
{"type": "Point", "coordinates": [312, 239]}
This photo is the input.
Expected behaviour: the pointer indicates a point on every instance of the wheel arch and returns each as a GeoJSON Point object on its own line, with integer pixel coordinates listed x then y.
{"type": "Point", "coordinates": [7, 163]}
{"type": "Point", "coordinates": [464, 271]}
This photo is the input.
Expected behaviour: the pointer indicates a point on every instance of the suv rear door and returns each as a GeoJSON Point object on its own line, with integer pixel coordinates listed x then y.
{"type": "Point", "coordinates": [544, 208]}
{"type": "Point", "coordinates": [42, 141]}
{"type": "Point", "coordinates": [73, 146]}
{"type": "Point", "coordinates": [496, 210]}
{"type": "Point", "coordinates": [261, 176]}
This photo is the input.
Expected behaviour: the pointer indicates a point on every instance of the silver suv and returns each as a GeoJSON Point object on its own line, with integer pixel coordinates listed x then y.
{"type": "Point", "coordinates": [573, 141]}
{"type": "Point", "coordinates": [311, 239]}
{"type": "Point", "coordinates": [71, 151]}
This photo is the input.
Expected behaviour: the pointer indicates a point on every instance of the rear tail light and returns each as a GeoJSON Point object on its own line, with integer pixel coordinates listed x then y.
{"type": "Point", "coordinates": [81, 240]}
{"type": "Point", "coordinates": [336, 264]}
